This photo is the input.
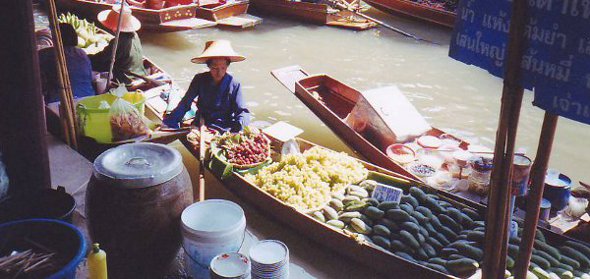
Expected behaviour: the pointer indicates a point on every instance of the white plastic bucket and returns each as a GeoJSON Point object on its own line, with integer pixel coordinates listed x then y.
{"type": "Point", "coordinates": [210, 228]}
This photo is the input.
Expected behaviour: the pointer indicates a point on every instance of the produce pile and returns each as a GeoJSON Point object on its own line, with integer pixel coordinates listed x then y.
{"type": "Point", "coordinates": [245, 148]}
{"type": "Point", "coordinates": [88, 34]}
{"type": "Point", "coordinates": [306, 181]}
{"type": "Point", "coordinates": [432, 232]}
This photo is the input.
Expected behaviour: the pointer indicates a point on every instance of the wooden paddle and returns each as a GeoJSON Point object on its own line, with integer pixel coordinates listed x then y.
{"type": "Point", "coordinates": [201, 158]}
{"type": "Point", "coordinates": [349, 7]}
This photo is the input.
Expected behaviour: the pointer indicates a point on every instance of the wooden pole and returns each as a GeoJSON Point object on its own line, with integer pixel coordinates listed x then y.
{"type": "Point", "coordinates": [66, 95]}
{"type": "Point", "coordinates": [201, 158]}
{"type": "Point", "coordinates": [535, 195]}
{"type": "Point", "coordinates": [115, 45]}
{"type": "Point", "coordinates": [499, 195]}
{"type": "Point", "coordinates": [23, 132]}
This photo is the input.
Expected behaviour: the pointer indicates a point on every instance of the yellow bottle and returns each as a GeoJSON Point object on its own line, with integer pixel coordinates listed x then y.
{"type": "Point", "coordinates": [97, 263]}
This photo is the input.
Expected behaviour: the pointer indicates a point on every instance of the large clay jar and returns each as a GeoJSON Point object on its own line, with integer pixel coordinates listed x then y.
{"type": "Point", "coordinates": [133, 203]}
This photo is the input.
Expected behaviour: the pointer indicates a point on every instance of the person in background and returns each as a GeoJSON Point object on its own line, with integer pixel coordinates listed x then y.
{"type": "Point", "coordinates": [220, 101]}
{"type": "Point", "coordinates": [78, 64]}
{"type": "Point", "coordinates": [129, 57]}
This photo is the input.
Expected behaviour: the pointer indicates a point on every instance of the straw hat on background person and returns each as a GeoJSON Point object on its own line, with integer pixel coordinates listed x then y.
{"type": "Point", "coordinates": [110, 20]}
{"type": "Point", "coordinates": [218, 49]}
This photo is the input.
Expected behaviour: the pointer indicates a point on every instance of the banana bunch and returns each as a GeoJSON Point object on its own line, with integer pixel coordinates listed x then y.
{"type": "Point", "coordinates": [88, 34]}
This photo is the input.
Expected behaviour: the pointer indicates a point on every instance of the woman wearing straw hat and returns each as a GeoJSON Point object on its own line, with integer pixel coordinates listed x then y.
{"type": "Point", "coordinates": [220, 101]}
{"type": "Point", "coordinates": [129, 57]}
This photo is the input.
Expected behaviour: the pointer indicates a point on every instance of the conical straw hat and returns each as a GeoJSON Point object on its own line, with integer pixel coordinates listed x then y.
{"type": "Point", "coordinates": [218, 49]}
{"type": "Point", "coordinates": [110, 20]}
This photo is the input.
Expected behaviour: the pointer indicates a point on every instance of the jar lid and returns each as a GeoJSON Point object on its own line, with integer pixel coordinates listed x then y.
{"type": "Point", "coordinates": [138, 165]}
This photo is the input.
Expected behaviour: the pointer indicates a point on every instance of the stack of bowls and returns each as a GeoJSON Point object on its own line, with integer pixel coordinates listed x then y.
{"type": "Point", "coordinates": [230, 265]}
{"type": "Point", "coordinates": [270, 260]}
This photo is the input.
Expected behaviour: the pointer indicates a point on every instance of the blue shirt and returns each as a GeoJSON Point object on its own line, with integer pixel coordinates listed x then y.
{"type": "Point", "coordinates": [222, 106]}
{"type": "Point", "coordinates": [79, 70]}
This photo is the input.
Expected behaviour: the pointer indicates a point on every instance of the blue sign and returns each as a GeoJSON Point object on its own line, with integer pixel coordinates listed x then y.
{"type": "Point", "coordinates": [556, 62]}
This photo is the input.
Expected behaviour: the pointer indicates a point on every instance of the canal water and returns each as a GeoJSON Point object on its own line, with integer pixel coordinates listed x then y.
{"type": "Point", "coordinates": [451, 95]}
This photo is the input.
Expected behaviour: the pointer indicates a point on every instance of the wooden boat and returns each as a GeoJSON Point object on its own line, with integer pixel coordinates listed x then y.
{"type": "Point", "coordinates": [415, 10]}
{"type": "Point", "coordinates": [231, 14]}
{"type": "Point", "coordinates": [338, 240]}
{"type": "Point", "coordinates": [167, 19]}
{"type": "Point", "coordinates": [320, 14]}
{"type": "Point", "coordinates": [332, 100]}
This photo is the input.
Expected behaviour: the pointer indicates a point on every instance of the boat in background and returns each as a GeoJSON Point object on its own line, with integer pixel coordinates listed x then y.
{"type": "Point", "coordinates": [436, 15]}
{"type": "Point", "coordinates": [320, 14]}
{"type": "Point", "coordinates": [175, 18]}
{"type": "Point", "coordinates": [231, 14]}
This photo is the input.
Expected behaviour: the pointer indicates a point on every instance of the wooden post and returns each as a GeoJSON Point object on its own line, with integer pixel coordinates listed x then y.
{"type": "Point", "coordinates": [22, 132]}
{"type": "Point", "coordinates": [498, 200]}
{"type": "Point", "coordinates": [535, 195]}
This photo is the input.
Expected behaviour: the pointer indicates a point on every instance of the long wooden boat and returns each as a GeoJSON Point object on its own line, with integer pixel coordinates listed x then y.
{"type": "Point", "coordinates": [320, 14]}
{"type": "Point", "coordinates": [231, 14]}
{"type": "Point", "coordinates": [415, 10]}
{"type": "Point", "coordinates": [337, 101]}
{"type": "Point", "coordinates": [176, 18]}
{"type": "Point", "coordinates": [341, 241]}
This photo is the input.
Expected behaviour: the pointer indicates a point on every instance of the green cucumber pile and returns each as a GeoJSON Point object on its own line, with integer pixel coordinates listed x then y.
{"type": "Point", "coordinates": [429, 231]}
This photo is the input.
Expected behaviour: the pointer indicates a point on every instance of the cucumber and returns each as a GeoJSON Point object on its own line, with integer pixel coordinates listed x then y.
{"type": "Point", "coordinates": [448, 233]}
{"type": "Point", "coordinates": [374, 213]}
{"type": "Point", "coordinates": [462, 267]}
{"type": "Point", "coordinates": [420, 217]}
{"type": "Point", "coordinates": [447, 251]}
{"type": "Point", "coordinates": [391, 225]}
{"type": "Point", "coordinates": [425, 211]}
{"type": "Point", "coordinates": [571, 262]}
{"type": "Point", "coordinates": [455, 257]}
{"type": "Point", "coordinates": [424, 232]}
{"type": "Point", "coordinates": [387, 205]}
{"type": "Point", "coordinates": [574, 254]}
{"type": "Point", "coordinates": [437, 267]}
{"type": "Point", "coordinates": [371, 201]}
{"type": "Point", "coordinates": [409, 200]}
{"type": "Point", "coordinates": [442, 239]}
{"type": "Point", "coordinates": [414, 220]}
{"type": "Point", "coordinates": [434, 206]}
{"type": "Point", "coordinates": [579, 246]}
{"type": "Point", "coordinates": [476, 236]}
{"type": "Point", "coordinates": [443, 203]}
{"type": "Point", "coordinates": [450, 223]}
{"type": "Point", "coordinates": [405, 256]}
{"type": "Point", "coordinates": [513, 250]}
{"type": "Point", "coordinates": [456, 214]}
{"type": "Point", "coordinates": [540, 273]}
{"type": "Point", "coordinates": [381, 241]}
{"type": "Point", "coordinates": [509, 262]}
{"type": "Point", "coordinates": [439, 261]}
{"type": "Point", "coordinates": [470, 251]}
{"type": "Point", "coordinates": [381, 230]}
{"type": "Point", "coordinates": [406, 207]}
{"type": "Point", "coordinates": [410, 227]}
{"type": "Point", "coordinates": [430, 251]}
{"type": "Point", "coordinates": [421, 254]}
{"type": "Point", "coordinates": [436, 222]}
{"type": "Point", "coordinates": [564, 266]}
{"type": "Point", "coordinates": [540, 261]}
{"type": "Point", "coordinates": [562, 273]}
{"type": "Point", "coordinates": [417, 193]}
{"type": "Point", "coordinates": [359, 226]}
{"type": "Point", "coordinates": [539, 235]}
{"type": "Point", "coordinates": [472, 213]}
{"type": "Point", "coordinates": [514, 240]}
{"type": "Point", "coordinates": [397, 215]}
{"type": "Point", "coordinates": [396, 245]}
{"type": "Point", "coordinates": [409, 239]}
{"type": "Point", "coordinates": [434, 243]}
{"type": "Point", "coordinates": [552, 261]}
{"type": "Point", "coordinates": [479, 229]}
{"type": "Point", "coordinates": [547, 248]}
{"type": "Point", "coordinates": [421, 239]}
{"type": "Point", "coordinates": [336, 224]}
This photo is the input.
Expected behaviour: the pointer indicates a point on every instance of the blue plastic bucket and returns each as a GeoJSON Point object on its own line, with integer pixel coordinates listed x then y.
{"type": "Point", "coordinates": [63, 238]}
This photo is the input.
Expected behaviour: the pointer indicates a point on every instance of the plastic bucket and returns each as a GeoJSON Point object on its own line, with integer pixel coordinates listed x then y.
{"type": "Point", "coordinates": [95, 122]}
{"type": "Point", "coordinates": [210, 228]}
{"type": "Point", "coordinates": [60, 237]}
{"type": "Point", "coordinates": [45, 203]}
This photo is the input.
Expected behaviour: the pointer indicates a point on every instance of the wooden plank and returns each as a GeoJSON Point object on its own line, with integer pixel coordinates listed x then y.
{"type": "Point", "coordinates": [189, 23]}
{"type": "Point", "coordinates": [242, 21]}
{"type": "Point", "coordinates": [288, 76]}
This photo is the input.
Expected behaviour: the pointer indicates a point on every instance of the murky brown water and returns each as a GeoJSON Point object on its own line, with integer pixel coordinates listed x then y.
{"type": "Point", "coordinates": [451, 95]}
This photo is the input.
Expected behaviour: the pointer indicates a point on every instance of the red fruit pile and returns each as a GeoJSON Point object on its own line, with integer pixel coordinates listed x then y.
{"type": "Point", "coordinates": [248, 150]}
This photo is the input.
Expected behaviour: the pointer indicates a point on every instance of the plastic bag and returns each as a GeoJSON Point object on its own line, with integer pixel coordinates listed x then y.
{"type": "Point", "coordinates": [126, 121]}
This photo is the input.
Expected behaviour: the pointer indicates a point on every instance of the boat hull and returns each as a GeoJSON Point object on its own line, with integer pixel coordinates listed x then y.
{"type": "Point", "coordinates": [415, 10]}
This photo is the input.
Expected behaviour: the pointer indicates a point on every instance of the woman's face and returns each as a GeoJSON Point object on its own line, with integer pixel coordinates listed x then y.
{"type": "Point", "coordinates": [218, 68]}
